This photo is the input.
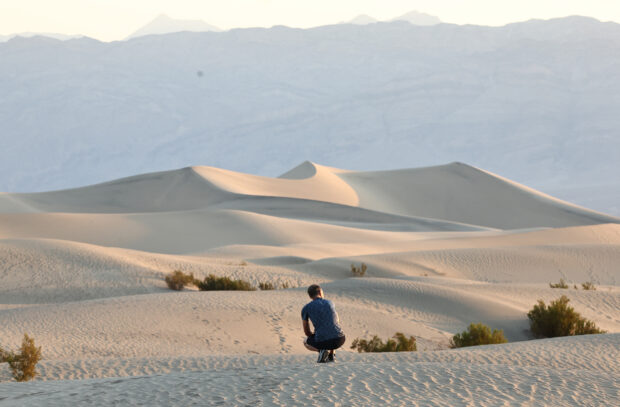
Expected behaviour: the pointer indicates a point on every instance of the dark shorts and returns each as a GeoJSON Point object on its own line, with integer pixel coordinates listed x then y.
{"type": "Point", "coordinates": [329, 344]}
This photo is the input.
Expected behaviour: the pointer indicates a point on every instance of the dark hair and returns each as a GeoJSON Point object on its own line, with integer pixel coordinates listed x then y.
{"type": "Point", "coordinates": [314, 290]}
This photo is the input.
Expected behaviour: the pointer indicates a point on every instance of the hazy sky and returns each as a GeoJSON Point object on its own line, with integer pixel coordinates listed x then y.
{"type": "Point", "coordinates": [115, 19]}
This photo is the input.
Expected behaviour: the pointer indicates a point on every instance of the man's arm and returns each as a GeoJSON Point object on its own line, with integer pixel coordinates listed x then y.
{"type": "Point", "coordinates": [307, 330]}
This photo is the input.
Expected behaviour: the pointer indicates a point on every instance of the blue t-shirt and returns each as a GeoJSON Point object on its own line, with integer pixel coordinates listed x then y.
{"type": "Point", "coordinates": [324, 318]}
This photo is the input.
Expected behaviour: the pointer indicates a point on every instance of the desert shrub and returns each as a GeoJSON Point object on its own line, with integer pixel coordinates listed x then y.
{"type": "Point", "coordinates": [358, 271]}
{"type": "Point", "coordinates": [398, 343]}
{"type": "Point", "coordinates": [177, 280]}
{"type": "Point", "coordinates": [561, 284]}
{"type": "Point", "coordinates": [23, 364]}
{"type": "Point", "coordinates": [559, 319]}
{"type": "Point", "coordinates": [214, 283]}
{"type": "Point", "coordinates": [477, 334]}
{"type": "Point", "coordinates": [271, 286]}
{"type": "Point", "coordinates": [266, 286]}
{"type": "Point", "coordinates": [588, 285]}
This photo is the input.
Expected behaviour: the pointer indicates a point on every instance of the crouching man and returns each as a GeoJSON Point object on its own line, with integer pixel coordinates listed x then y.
{"type": "Point", "coordinates": [328, 334]}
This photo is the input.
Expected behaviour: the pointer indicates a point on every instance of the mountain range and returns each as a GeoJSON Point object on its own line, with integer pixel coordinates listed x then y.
{"type": "Point", "coordinates": [163, 24]}
{"type": "Point", "coordinates": [412, 17]}
{"type": "Point", "coordinates": [61, 37]}
{"type": "Point", "coordinates": [533, 101]}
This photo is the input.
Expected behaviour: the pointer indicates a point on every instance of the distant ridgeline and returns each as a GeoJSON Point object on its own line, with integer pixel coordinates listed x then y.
{"type": "Point", "coordinates": [534, 101]}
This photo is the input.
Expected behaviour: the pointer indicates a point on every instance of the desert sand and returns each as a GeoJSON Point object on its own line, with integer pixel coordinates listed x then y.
{"type": "Point", "coordinates": [83, 273]}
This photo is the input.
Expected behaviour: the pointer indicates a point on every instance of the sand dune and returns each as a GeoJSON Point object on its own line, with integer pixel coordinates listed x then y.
{"type": "Point", "coordinates": [180, 190]}
{"type": "Point", "coordinates": [445, 246]}
{"type": "Point", "coordinates": [461, 193]}
{"type": "Point", "coordinates": [262, 322]}
{"type": "Point", "coordinates": [56, 271]}
{"type": "Point", "coordinates": [200, 230]}
{"type": "Point", "coordinates": [185, 189]}
{"type": "Point", "coordinates": [454, 192]}
{"type": "Point", "coordinates": [307, 181]}
{"type": "Point", "coordinates": [174, 212]}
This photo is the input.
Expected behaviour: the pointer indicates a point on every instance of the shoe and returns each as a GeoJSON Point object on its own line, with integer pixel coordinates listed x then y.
{"type": "Point", "coordinates": [323, 356]}
{"type": "Point", "coordinates": [330, 358]}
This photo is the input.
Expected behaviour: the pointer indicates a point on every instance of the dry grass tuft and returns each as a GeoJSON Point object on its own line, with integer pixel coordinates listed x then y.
{"type": "Point", "coordinates": [177, 280]}
{"type": "Point", "coordinates": [267, 286]}
{"type": "Point", "coordinates": [588, 285]}
{"type": "Point", "coordinates": [358, 271]}
{"type": "Point", "coordinates": [23, 364]}
{"type": "Point", "coordinates": [561, 284]}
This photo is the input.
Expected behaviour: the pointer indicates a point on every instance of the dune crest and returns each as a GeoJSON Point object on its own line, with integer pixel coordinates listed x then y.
{"type": "Point", "coordinates": [308, 181]}
{"type": "Point", "coordinates": [455, 192]}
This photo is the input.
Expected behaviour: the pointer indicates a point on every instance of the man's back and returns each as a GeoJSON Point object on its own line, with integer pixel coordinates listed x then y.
{"type": "Point", "coordinates": [324, 318]}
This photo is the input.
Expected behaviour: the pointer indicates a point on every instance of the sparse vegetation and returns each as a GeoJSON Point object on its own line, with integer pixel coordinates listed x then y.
{"type": "Point", "coordinates": [477, 334]}
{"type": "Point", "coordinates": [271, 286]}
{"type": "Point", "coordinates": [559, 319]}
{"type": "Point", "coordinates": [177, 280]}
{"type": "Point", "coordinates": [561, 284]}
{"type": "Point", "coordinates": [23, 364]}
{"type": "Point", "coordinates": [398, 343]}
{"type": "Point", "coordinates": [588, 285]}
{"type": "Point", "coordinates": [214, 283]}
{"type": "Point", "coordinates": [266, 286]}
{"type": "Point", "coordinates": [358, 271]}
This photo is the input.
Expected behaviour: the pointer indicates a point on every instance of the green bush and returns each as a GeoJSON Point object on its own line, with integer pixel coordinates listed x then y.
{"type": "Point", "coordinates": [214, 283]}
{"type": "Point", "coordinates": [561, 284]}
{"type": "Point", "coordinates": [177, 280]}
{"type": "Point", "coordinates": [23, 364]}
{"type": "Point", "coordinates": [588, 285]}
{"type": "Point", "coordinates": [559, 319]}
{"type": "Point", "coordinates": [398, 343]}
{"type": "Point", "coordinates": [477, 334]}
{"type": "Point", "coordinates": [358, 271]}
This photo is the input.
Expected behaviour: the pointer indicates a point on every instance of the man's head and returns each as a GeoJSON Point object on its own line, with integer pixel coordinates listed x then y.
{"type": "Point", "coordinates": [315, 291]}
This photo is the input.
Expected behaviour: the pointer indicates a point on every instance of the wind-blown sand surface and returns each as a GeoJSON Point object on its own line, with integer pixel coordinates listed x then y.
{"type": "Point", "coordinates": [82, 272]}
{"type": "Point", "coordinates": [567, 371]}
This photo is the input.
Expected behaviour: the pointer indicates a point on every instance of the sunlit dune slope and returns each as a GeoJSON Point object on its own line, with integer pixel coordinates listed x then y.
{"type": "Point", "coordinates": [452, 193]}
{"type": "Point", "coordinates": [461, 193]}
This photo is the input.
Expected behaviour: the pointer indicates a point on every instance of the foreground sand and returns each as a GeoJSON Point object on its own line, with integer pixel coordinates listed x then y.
{"type": "Point", "coordinates": [566, 371]}
{"type": "Point", "coordinates": [445, 246]}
